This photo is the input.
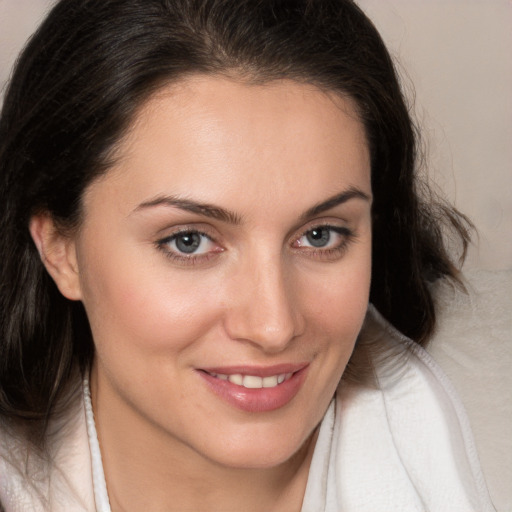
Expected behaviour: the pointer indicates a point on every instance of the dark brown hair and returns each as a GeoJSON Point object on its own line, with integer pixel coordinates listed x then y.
{"type": "Point", "coordinates": [73, 94]}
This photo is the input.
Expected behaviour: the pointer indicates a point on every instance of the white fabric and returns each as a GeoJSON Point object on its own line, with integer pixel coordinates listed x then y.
{"type": "Point", "coordinates": [27, 484]}
{"type": "Point", "coordinates": [98, 476]}
{"type": "Point", "coordinates": [473, 346]}
{"type": "Point", "coordinates": [405, 446]}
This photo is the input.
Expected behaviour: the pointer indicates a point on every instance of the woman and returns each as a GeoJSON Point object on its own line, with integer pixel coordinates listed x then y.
{"type": "Point", "coordinates": [199, 201]}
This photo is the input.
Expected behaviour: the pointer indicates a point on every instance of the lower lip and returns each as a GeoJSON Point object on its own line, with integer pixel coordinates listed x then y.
{"type": "Point", "coordinates": [256, 400]}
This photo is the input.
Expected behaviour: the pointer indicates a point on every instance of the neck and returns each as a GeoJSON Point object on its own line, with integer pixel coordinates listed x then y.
{"type": "Point", "coordinates": [144, 485]}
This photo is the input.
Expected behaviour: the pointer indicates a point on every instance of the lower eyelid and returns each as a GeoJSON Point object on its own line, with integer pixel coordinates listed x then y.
{"type": "Point", "coordinates": [184, 259]}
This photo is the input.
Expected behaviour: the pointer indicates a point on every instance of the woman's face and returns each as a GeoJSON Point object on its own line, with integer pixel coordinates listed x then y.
{"type": "Point", "coordinates": [224, 264]}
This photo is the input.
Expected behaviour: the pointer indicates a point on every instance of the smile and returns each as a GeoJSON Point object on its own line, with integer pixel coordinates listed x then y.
{"type": "Point", "coordinates": [253, 381]}
{"type": "Point", "coordinates": [253, 389]}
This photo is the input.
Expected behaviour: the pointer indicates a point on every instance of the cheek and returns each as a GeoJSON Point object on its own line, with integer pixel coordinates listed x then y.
{"type": "Point", "coordinates": [128, 301]}
{"type": "Point", "coordinates": [337, 302]}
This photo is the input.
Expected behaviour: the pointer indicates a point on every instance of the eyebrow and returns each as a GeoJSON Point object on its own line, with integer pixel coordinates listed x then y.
{"type": "Point", "coordinates": [336, 200]}
{"type": "Point", "coordinates": [208, 210]}
{"type": "Point", "coordinates": [224, 215]}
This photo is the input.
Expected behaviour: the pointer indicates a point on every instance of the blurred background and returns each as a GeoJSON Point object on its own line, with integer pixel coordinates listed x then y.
{"type": "Point", "coordinates": [455, 60]}
{"type": "Point", "coordinates": [455, 56]}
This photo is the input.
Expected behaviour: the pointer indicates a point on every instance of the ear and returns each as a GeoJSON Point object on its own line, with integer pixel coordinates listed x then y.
{"type": "Point", "coordinates": [58, 254]}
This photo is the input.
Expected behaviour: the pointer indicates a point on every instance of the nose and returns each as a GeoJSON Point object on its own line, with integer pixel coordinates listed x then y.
{"type": "Point", "coordinates": [264, 307]}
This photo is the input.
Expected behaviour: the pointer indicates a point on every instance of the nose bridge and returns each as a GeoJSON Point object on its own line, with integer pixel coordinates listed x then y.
{"type": "Point", "coordinates": [265, 311]}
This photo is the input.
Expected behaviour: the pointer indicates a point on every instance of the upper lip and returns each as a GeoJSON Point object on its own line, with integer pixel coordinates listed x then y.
{"type": "Point", "coordinates": [258, 371]}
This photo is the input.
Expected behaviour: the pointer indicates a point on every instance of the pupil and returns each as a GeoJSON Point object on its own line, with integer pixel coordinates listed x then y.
{"type": "Point", "coordinates": [318, 237]}
{"type": "Point", "coordinates": [188, 242]}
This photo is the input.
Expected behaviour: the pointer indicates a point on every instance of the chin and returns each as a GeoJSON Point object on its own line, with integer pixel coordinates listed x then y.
{"type": "Point", "coordinates": [261, 452]}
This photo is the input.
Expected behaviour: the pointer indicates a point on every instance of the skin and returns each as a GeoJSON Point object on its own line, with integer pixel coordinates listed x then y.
{"type": "Point", "coordinates": [255, 293]}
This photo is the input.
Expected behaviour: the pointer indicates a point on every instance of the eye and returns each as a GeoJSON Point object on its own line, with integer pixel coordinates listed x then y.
{"type": "Point", "coordinates": [318, 237]}
{"type": "Point", "coordinates": [325, 243]}
{"type": "Point", "coordinates": [188, 245]}
{"type": "Point", "coordinates": [324, 237]}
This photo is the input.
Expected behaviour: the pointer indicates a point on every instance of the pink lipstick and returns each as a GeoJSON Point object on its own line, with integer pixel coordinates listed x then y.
{"type": "Point", "coordinates": [256, 389]}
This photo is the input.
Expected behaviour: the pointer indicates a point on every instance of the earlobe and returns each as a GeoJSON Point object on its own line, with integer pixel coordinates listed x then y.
{"type": "Point", "coordinates": [58, 254]}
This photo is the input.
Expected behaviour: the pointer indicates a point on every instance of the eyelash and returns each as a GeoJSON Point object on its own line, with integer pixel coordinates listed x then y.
{"type": "Point", "coordinates": [192, 259]}
{"type": "Point", "coordinates": [321, 253]}
{"type": "Point", "coordinates": [347, 236]}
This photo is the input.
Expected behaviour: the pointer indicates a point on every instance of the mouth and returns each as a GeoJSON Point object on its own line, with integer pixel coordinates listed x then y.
{"type": "Point", "coordinates": [256, 389]}
{"type": "Point", "coordinates": [253, 381]}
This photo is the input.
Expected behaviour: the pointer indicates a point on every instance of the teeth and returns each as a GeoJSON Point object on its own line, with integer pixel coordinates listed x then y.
{"type": "Point", "coordinates": [236, 379]}
{"type": "Point", "coordinates": [253, 381]}
{"type": "Point", "coordinates": [270, 382]}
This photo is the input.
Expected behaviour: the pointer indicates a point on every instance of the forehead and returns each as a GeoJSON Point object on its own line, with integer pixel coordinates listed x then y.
{"type": "Point", "coordinates": [218, 138]}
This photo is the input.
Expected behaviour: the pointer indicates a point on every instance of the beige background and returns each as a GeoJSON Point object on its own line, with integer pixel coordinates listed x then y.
{"type": "Point", "coordinates": [458, 55]}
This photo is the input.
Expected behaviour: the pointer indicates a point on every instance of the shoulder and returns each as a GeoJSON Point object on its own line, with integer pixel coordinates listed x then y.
{"type": "Point", "coordinates": [59, 480]}
{"type": "Point", "coordinates": [408, 436]}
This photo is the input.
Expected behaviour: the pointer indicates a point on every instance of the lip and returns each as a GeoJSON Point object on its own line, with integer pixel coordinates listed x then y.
{"type": "Point", "coordinates": [261, 399]}
{"type": "Point", "coordinates": [258, 371]}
